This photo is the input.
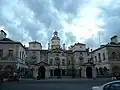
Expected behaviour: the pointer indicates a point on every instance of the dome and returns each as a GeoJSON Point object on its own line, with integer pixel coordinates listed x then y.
{"type": "Point", "coordinates": [55, 38]}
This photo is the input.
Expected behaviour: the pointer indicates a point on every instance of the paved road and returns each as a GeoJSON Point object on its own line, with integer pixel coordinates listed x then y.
{"type": "Point", "coordinates": [52, 85]}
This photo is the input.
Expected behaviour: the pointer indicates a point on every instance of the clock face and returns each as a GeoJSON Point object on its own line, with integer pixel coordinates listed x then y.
{"type": "Point", "coordinates": [55, 42]}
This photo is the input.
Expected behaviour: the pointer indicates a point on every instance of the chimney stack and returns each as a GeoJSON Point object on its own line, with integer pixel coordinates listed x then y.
{"type": "Point", "coordinates": [48, 46]}
{"type": "Point", "coordinates": [64, 46]}
{"type": "Point", "coordinates": [114, 39]}
{"type": "Point", "coordinates": [2, 34]}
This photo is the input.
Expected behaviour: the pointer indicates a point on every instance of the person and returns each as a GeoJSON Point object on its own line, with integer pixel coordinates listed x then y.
{"type": "Point", "coordinates": [113, 76]}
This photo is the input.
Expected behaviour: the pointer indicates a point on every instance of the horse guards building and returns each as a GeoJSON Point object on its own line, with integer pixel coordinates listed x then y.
{"type": "Point", "coordinates": [57, 61]}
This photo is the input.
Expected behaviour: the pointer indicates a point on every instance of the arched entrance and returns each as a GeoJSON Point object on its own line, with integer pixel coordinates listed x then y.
{"type": "Point", "coordinates": [57, 72]}
{"type": "Point", "coordinates": [89, 72]}
{"type": "Point", "coordinates": [7, 70]}
{"type": "Point", "coordinates": [63, 72]}
{"type": "Point", "coordinates": [41, 72]}
{"type": "Point", "coordinates": [115, 69]}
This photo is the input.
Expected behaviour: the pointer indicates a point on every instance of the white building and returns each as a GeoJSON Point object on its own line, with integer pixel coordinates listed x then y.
{"type": "Point", "coordinates": [107, 57]}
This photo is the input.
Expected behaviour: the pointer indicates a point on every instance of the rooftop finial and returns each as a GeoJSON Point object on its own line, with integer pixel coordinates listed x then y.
{"type": "Point", "coordinates": [55, 33]}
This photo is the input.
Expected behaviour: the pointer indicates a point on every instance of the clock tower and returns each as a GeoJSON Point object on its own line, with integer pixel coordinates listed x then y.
{"type": "Point", "coordinates": [55, 41]}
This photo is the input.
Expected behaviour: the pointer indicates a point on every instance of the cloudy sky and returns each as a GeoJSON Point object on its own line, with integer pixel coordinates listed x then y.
{"type": "Point", "coordinates": [75, 20]}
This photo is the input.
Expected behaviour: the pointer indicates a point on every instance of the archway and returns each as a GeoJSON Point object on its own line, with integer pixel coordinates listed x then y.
{"type": "Point", "coordinates": [89, 72]}
{"type": "Point", "coordinates": [57, 72]}
{"type": "Point", "coordinates": [115, 69]}
{"type": "Point", "coordinates": [100, 71]}
{"type": "Point", "coordinates": [41, 72]}
{"type": "Point", "coordinates": [7, 70]}
{"type": "Point", "coordinates": [63, 72]}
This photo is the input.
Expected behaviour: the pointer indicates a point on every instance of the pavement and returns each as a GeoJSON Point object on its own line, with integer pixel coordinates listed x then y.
{"type": "Point", "coordinates": [53, 84]}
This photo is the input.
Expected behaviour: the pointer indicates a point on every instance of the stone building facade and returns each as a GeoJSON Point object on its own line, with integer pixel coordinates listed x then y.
{"type": "Point", "coordinates": [57, 61]}
{"type": "Point", "coordinates": [107, 58]}
{"type": "Point", "coordinates": [12, 54]}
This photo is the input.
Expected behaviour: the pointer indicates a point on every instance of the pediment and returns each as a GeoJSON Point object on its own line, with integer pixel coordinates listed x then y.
{"type": "Point", "coordinates": [42, 63]}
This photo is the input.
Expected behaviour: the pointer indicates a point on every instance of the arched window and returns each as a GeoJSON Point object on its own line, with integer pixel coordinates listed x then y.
{"type": "Point", "coordinates": [57, 61]}
{"type": "Point", "coordinates": [80, 58]}
{"type": "Point", "coordinates": [105, 69]}
{"type": "Point", "coordinates": [51, 61]}
{"type": "Point", "coordinates": [63, 62]}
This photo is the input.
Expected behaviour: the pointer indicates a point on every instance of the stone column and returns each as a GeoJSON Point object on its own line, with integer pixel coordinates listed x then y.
{"type": "Point", "coordinates": [83, 72]}
{"type": "Point", "coordinates": [94, 73]}
{"type": "Point", "coordinates": [35, 72]}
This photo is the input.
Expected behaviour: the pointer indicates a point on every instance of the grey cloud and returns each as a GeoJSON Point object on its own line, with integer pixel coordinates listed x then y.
{"type": "Point", "coordinates": [68, 6]}
{"type": "Point", "coordinates": [46, 15]}
{"type": "Point", "coordinates": [43, 13]}
{"type": "Point", "coordinates": [111, 17]}
{"type": "Point", "coordinates": [91, 42]}
{"type": "Point", "coordinates": [70, 37]}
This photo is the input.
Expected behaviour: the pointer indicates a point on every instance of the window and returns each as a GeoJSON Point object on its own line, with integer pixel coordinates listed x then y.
{"type": "Point", "coordinates": [22, 54]}
{"type": "Point", "coordinates": [57, 54]}
{"type": "Point", "coordinates": [62, 54]}
{"type": "Point", "coordinates": [63, 62]}
{"type": "Point", "coordinates": [113, 55]}
{"type": "Point", "coordinates": [81, 58]}
{"type": "Point", "coordinates": [57, 61]}
{"type": "Point", "coordinates": [1, 53]}
{"type": "Point", "coordinates": [10, 53]}
{"type": "Point", "coordinates": [80, 46]}
{"type": "Point", "coordinates": [69, 62]}
{"type": "Point", "coordinates": [81, 53]}
{"type": "Point", "coordinates": [99, 56]}
{"type": "Point", "coordinates": [96, 58]}
{"type": "Point", "coordinates": [103, 56]}
{"type": "Point", "coordinates": [51, 61]}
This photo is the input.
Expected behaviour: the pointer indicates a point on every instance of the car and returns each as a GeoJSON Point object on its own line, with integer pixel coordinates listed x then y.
{"type": "Point", "coordinates": [113, 85]}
